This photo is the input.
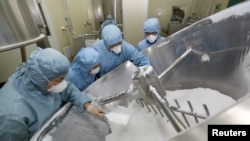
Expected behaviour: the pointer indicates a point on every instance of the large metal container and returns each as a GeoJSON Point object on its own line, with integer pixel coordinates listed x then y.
{"type": "Point", "coordinates": [218, 60]}
{"type": "Point", "coordinates": [19, 24]}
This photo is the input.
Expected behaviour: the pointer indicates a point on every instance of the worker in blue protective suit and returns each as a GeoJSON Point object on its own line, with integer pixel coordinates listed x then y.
{"type": "Point", "coordinates": [108, 21]}
{"type": "Point", "coordinates": [152, 35]}
{"type": "Point", "coordinates": [84, 68]}
{"type": "Point", "coordinates": [34, 92]}
{"type": "Point", "coordinates": [113, 50]}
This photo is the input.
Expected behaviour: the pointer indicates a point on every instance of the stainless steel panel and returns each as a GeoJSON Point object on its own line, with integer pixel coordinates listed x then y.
{"type": "Point", "coordinates": [114, 82]}
{"type": "Point", "coordinates": [114, 8]}
{"type": "Point", "coordinates": [98, 13]}
{"type": "Point", "coordinates": [237, 114]}
{"type": "Point", "coordinates": [219, 60]}
{"type": "Point", "coordinates": [18, 25]}
{"type": "Point", "coordinates": [85, 126]}
{"type": "Point", "coordinates": [103, 8]}
{"type": "Point", "coordinates": [225, 43]}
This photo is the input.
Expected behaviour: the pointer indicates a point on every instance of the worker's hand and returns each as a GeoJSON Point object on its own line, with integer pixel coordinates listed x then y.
{"type": "Point", "coordinates": [145, 70]}
{"type": "Point", "coordinates": [94, 110]}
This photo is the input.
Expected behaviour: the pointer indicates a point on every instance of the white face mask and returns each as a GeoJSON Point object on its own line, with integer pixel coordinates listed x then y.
{"type": "Point", "coordinates": [151, 38]}
{"type": "Point", "coordinates": [95, 71]}
{"type": "Point", "coordinates": [117, 49]}
{"type": "Point", "coordinates": [59, 87]}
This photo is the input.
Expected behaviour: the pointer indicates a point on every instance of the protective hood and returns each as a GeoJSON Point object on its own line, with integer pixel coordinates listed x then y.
{"type": "Point", "coordinates": [111, 35]}
{"type": "Point", "coordinates": [85, 59]}
{"type": "Point", "coordinates": [42, 66]}
{"type": "Point", "coordinates": [152, 25]}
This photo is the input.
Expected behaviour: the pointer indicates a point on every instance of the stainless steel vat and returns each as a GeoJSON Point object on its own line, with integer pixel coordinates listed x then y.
{"type": "Point", "coordinates": [219, 60]}
{"type": "Point", "coordinates": [216, 56]}
{"type": "Point", "coordinates": [19, 24]}
{"type": "Point", "coordinates": [223, 39]}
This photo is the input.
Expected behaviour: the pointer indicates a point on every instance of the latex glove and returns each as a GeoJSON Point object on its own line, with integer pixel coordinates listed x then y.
{"type": "Point", "coordinates": [94, 110]}
{"type": "Point", "coordinates": [146, 70]}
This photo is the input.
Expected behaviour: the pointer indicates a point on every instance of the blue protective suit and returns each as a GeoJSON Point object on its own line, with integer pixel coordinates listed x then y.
{"type": "Point", "coordinates": [25, 104]}
{"type": "Point", "coordinates": [79, 72]}
{"type": "Point", "coordinates": [150, 25]}
{"type": "Point", "coordinates": [111, 35]}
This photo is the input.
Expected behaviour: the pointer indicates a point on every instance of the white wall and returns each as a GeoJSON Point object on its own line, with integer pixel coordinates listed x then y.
{"type": "Point", "coordinates": [56, 11]}
{"type": "Point", "coordinates": [134, 15]}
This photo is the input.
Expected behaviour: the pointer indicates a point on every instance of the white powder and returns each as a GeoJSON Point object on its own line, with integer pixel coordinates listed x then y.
{"type": "Point", "coordinates": [148, 126]}
{"type": "Point", "coordinates": [214, 100]}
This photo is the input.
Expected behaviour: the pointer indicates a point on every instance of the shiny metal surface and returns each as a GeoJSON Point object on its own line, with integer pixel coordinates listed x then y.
{"type": "Point", "coordinates": [103, 8]}
{"type": "Point", "coordinates": [175, 121]}
{"type": "Point", "coordinates": [237, 114]}
{"type": "Point", "coordinates": [216, 56]}
{"type": "Point", "coordinates": [19, 24]}
{"type": "Point", "coordinates": [114, 82]}
{"type": "Point", "coordinates": [219, 60]}
{"type": "Point", "coordinates": [114, 8]}
{"type": "Point", "coordinates": [97, 6]}
{"type": "Point", "coordinates": [219, 46]}
{"type": "Point", "coordinates": [85, 126]}
{"type": "Point", "coordinates": [148, 76]}
{"type": "Point", "coordinates": [175, 63]}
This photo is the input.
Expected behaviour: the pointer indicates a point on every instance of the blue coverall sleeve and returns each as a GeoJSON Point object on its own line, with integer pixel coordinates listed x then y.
{"type": "Point", "coordinates": [13, 129]}
{"type": "Point", "coordinates": [74, 95]}
{"type": "Point", "coordinates": [136, 56]}
{"type": "Point", "coordinates": [138, 46]}
{"type": "Point", "coordinates": [141, 45]}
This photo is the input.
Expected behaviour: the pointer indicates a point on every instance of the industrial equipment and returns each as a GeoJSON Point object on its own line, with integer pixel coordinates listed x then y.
{"type": "Point", "coordinates": [21, 24]}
